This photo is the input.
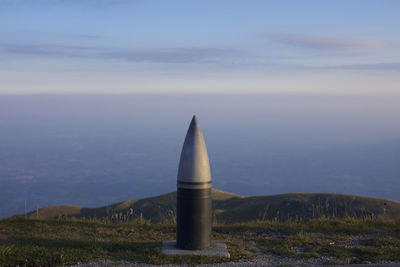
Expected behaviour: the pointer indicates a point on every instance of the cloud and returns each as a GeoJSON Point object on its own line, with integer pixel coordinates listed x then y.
{"type": "Point", "coordinates": [84, 36]}
{"type": "Point", "coordinates": [177, 55]}
{"type": "Point", "coordinates": [232, 58]}
{"type": "Point", "coordinates": [371, 66]}
{"type": "Point", "coordinates": [48, 50]}
{"type": "Point", "coordinates": [326, 43]}
{"type": "Point", "coordinates": [89, 3]}
{"type": "Point", "coordinates": [169, 55]}
{"type": "Point", "coordinates": [360, 67]}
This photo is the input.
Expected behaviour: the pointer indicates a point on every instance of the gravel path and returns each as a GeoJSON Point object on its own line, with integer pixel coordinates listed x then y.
{"type": "Point", "coordinates": [262, 260]}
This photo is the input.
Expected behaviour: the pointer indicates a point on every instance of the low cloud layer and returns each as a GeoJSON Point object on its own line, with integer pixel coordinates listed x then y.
{"type": "Point", "coordinates": [226, 56]}
{"type": "Point", "coordinates": [365, 66]}
{"type": "Point", "coordinates": [49, 50]}
{"type": "Point", "coordinates": [372, 66]}
{"type": "Point", "coordinates": [326, 43]}
{"type": "Point", "coordinates": [177, 55]}
{"type": "Point", "coordinates": [168, 55]}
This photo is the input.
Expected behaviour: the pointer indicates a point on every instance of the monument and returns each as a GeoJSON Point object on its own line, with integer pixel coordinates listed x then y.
{"type": "Point", "coordinates": [194, 196]}
{"type": "Point", "coordinates": [193, 214]}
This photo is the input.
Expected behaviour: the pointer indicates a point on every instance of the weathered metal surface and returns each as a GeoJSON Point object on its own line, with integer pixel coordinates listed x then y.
{"type": "Point", "coordinates": [193, 218]}
{"type": "Point", "coordinates": [194, 192]}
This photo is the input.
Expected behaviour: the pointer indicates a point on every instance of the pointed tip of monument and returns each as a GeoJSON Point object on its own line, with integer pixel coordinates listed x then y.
{"type": "Point", "coordinates": [194, 120]}
{"type": "Point", "coordinates": [194, 165]}
{"type": "Point", "coordinates": [194, 123]}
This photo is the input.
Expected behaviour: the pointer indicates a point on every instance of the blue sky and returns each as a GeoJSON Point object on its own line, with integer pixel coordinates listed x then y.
{"type": "Point", "coordinates": [121, 46]}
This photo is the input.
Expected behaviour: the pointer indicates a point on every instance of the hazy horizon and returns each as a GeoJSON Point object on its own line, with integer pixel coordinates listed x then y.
{"type": "Point", "coordinates": [94, 150]}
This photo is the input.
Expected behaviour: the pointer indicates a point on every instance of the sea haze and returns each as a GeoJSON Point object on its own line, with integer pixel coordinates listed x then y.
{"type": "Point", "coordinates": [94, 150]}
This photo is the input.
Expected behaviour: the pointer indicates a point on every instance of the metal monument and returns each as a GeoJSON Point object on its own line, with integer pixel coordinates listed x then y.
{"type": "Point", "coordinates": [194, 192]}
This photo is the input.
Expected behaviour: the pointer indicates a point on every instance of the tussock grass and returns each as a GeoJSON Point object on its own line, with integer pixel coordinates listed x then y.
{"type": "Point", "coordinates": [57, 242]}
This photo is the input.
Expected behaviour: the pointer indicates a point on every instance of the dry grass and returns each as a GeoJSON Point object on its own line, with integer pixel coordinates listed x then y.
{"type": "Point", "coordinates": [57, 242]}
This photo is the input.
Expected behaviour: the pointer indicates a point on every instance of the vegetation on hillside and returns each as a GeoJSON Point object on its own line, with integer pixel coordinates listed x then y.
{"type": "Point", "coordinates": [332, 227]}
{"type": "Point", "coordinates": [232, 208]}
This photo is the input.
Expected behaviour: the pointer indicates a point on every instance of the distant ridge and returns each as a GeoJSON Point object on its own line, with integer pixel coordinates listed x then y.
{"type": "Point", "coordinates": [230, 207]}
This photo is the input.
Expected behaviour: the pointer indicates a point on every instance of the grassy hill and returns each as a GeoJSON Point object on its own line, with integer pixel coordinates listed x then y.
{"type": "Point", "coordinates": [231, 208]}
{"type": "Point", "coordinates": [32, 242]}
{"type": "Point", "coordinates": [304, 206]}
{"type": "Point", "coordinates": [52, 212]}
{"type": "Point", "coordinates": [305, 228]}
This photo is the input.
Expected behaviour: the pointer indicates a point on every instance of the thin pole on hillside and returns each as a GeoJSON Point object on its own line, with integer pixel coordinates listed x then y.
{"type": "Point", "coordinates": [25, 196]}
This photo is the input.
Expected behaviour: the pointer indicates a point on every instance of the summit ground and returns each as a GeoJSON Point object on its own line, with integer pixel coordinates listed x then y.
{"type": "Point", "coordinates": [319, 241]}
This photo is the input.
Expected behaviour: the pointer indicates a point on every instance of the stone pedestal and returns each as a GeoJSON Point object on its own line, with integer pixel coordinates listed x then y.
{"type": "Point", "coordinates": [218, 249]}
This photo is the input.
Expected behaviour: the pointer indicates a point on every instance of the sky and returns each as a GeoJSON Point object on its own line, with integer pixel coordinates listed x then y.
{"type": "Point", "coordinates": [223, 47]}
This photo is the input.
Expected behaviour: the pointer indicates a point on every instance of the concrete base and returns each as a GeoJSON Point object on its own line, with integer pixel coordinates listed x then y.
{"type": "Point", "coordinates": [218, 249]}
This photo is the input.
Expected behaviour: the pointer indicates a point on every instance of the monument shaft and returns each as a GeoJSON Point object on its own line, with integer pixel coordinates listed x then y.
{"type": "Point", "coordinates": [194, 192]}
{"type": "Point", "coordinates": [194, 218]}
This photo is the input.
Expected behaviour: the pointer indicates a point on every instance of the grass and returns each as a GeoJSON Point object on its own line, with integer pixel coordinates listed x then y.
{"type": "Point", "coordinates": [233, 208]}
{"type": "Point", "coordinates": [58, 242]}
{"type": "Point", "coordinates": [33, 242]}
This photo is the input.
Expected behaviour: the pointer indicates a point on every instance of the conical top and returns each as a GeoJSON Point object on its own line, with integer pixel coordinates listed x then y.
{"type": "Point", "coordinates": [194, 166]}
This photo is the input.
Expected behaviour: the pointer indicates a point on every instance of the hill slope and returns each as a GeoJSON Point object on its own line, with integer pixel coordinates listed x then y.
{"type": "Point", "coordinates": [229, 207]}
{"type": "Point", "coordinates": [304, 206]}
